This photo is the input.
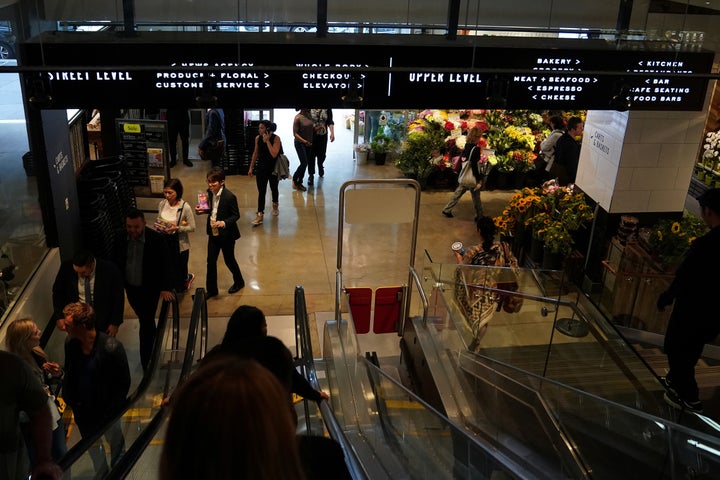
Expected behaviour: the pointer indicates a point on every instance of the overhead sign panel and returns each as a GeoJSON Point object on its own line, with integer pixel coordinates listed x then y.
{"type": "Point", "coordinates": [287, 73]}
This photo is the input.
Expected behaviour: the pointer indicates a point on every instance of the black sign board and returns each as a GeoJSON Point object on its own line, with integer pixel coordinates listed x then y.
{"type": "Point", "coordinates": [156, 70]}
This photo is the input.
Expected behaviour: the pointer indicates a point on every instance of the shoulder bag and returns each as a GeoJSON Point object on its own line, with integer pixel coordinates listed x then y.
{"type": "Point", "coordinates": [508, 302]}
{"type": "Point", "coordinates": [466, 178]}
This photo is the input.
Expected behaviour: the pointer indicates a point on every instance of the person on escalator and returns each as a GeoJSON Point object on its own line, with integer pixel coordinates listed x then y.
{"type": "Point", "coordinates": [230, 420]}
{"type": "Point", "coordinates": [248, 321]}
{"type": "Point", "coordinates": [97, 381]}
{"type": "Point", "coordinates": [692, 324]}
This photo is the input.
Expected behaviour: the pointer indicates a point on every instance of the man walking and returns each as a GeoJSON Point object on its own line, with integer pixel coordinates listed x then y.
{"type": "Point", "coordinates": [222, 231]}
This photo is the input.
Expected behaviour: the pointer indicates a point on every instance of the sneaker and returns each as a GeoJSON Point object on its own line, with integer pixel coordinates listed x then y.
{"type": "Point", "coordinates": [300, 187]}
{"type": "Point", "coordinates": [189, 280]}
{"type": "Point", "coordinates": [258, 219]}
{"type": "Point", "coordinates": [667, 386]}
{"type": "Point", "coordinates": [447, 214]}
{"type": "Point", "coordinates": [677, 402]}
{"type": "Point", "coordinates": [275, 210]}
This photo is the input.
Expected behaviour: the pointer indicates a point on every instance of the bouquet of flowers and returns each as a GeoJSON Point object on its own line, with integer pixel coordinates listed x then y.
{"type": "Point", "coordinates": [712, 146]}
{"type": "Point", "coordinates": [671, 239]}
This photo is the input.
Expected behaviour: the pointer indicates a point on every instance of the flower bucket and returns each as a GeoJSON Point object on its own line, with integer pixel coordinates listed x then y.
{"type": "Point", "coordinates": [362, 157]}
{"type": "Point", "coordinates": [551, 260]}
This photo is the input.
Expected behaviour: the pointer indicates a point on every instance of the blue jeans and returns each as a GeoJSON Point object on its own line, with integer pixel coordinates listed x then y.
{"type": "Point", "coordinates": [304, 153]}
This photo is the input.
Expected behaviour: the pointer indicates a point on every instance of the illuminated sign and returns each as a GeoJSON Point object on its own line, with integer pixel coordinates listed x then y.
{"type": "Point", "coordinates": [152, 71]}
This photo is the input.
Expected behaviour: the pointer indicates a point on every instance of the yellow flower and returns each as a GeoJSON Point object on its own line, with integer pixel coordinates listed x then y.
{"type": "Point", "coordinates": [675, 227]}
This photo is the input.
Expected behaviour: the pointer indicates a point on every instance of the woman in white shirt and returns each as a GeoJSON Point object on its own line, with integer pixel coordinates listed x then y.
{"type": "Point", "coordinates": [175, 220]}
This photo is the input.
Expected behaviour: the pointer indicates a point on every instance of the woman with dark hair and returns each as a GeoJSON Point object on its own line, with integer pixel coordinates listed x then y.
{"type": "Point", "coordinates": [237, 411]}
{"type": "Point", "coordinates": [303, 134]}
{"type": "Point", "coordinates": [175, 220]}
{"type": "Point", "coordinates": [267, 147]}
{"type": "Point", "coordinates": [477, 302]}
{"type": "Point", "coordinates": [248, 322]}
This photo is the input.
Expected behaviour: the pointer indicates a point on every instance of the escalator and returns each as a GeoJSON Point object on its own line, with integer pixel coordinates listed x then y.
{"type": "Point", "coordinates": [144, 410]}
{"type": "Point", "coordinates": [510, 420]}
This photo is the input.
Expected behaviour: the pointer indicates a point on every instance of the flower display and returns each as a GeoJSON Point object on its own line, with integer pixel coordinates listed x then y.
{"type": "Point", "coordinates": [711, 148]}
{"type": "Point", "coordinates": [671, 239]}
{"type": "Point", "coordinates": [551, 211]}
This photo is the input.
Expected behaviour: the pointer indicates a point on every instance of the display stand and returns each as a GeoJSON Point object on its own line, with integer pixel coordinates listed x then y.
{"type": "Point", "coordinates": [144, 146]}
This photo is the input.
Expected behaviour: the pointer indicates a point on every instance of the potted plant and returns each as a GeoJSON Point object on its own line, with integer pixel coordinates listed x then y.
{"type": "Point", "coordinates": [381, 144]}
{"type": "Point", "coordinates": [362, 150]}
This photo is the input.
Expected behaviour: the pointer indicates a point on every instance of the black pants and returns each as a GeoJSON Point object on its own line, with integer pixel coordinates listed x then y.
{"type": "Point", "coordinates": [319, 152]}
{"type": "Point", "coordinates": [225, 245]}
{"type": "Point", "coordinates": [88, 422]}
{"type": "Point", "coordinates": [175, 129]}
{"type": "Point", "coordinates": [144, 302]}
{"type": "Point", "coordinates": [262, 179]}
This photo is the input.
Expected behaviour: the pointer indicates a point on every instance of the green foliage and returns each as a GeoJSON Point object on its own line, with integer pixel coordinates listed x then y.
{"type": "Point", "coordinates": [671, 239]}
{"type": "Point", "coordinates": [420, 147]}
{"type": "Point", "coordinates": [381, 143]}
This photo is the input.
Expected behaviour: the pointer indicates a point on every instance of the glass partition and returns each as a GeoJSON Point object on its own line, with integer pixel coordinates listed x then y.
{"type": "Point", "coordinates": [606, 438]}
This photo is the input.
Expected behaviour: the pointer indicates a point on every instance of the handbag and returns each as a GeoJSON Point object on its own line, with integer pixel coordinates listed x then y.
{"type": "Point", "coordinates": [506, 301]}
{"type": "Point", "coordinates": [466, 178]}
{"type": "Point", "coordinates": [214, 150]}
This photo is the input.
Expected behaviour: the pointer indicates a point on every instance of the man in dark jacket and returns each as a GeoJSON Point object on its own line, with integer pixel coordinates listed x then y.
{"type": "Point", "coordinates": [97, 381]}
{"type": "Point", "coordinates": [85, 276]}
{"type": "Point", "coordinates": [222, 231]}
{"type": "Point", "coordinates": [567, 153]}
{"type": "Point", "coordinates": [692, 324]}
{"type": "Point", "coordinates": [144, 260]}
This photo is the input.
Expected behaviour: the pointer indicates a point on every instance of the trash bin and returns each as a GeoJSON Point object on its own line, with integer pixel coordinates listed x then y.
{"type": "Point", "coordinates": [28, 164]}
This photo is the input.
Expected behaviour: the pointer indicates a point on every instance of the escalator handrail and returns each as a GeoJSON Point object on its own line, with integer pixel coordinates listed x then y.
{"type": "Point", "coordinates": [77, 451]}
{"type": "Point", "coordinates": [126, 463]}
{"type": "Point", "coordinates": [308, 364]}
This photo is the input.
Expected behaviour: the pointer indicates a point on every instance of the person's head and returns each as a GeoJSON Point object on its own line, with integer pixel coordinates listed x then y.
{"type": "Point", "coordinates": [215, 179]}
{"type": "Point", "coordinates": [246, 321]}
{"type": "Point", "coordinates": [79, 318]}
{"type": "Point", "coordinates": [173, 190]}
{"type": "Point", "coordinates": [710, 207]}
{"type": "Point", "coordinates": [557, 122]}
{"type": "Point", "coordinates": [83, 263]}
{"type": "Point", "coordinates": [135, 223]}
{"type": "Point", "coordinates": [487, 229]}
{"type": "Point", "coordinates": [230, 420]}
{"type": "Point", "coordinates": [21, 337]}
{"type": "Point", "coordinates": [575, 126]}
{"type": "Point", "coordinates": [266, 126]}
{"type": "Point", "coordinates": [474, 136]}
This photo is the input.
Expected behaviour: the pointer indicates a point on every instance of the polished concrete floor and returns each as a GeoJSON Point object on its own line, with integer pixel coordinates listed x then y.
{"type": "Point", "coordinates": [300, 245]}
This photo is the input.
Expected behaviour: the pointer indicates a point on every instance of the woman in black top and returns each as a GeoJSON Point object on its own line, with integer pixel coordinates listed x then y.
{"type": "Point", "coordinates": [267, 147]}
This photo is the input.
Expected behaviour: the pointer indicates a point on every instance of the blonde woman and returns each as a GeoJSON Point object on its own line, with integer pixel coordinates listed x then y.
{"type": "Point", "coordinates": [23, 339]}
